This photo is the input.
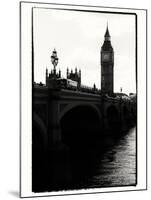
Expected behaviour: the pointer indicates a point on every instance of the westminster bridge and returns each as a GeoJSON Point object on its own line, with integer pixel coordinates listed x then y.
{"type": "Point", "coordinates": [74, 119]}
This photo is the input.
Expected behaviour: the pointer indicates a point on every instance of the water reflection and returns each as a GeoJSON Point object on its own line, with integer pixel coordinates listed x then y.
{"type": "Point", "coordinates": [117, 167]}
{"type": "Point", "coordinates": [113, 163]}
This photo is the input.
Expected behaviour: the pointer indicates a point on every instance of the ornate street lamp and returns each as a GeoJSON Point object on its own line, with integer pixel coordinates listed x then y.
{"type": "Point", "coordinates": [54, 60]}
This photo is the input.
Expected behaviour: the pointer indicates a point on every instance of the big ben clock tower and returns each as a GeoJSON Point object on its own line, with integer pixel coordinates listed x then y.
{"type": "Point", "coordinates": [107, 65]}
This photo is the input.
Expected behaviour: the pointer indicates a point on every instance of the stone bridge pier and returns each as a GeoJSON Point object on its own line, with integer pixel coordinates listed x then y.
{"type": "Point", "coordinates": [54, 128]}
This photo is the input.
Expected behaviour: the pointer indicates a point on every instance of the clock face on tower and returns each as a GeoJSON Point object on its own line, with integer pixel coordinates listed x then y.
{"type": "Point", "coordinates": [106, 57]}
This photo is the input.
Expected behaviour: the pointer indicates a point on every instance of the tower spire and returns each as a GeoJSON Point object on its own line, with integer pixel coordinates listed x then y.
{"type": "Point", "coordinates": [107, 34]}
{"type": "Point", "coordinates": [107, 65]}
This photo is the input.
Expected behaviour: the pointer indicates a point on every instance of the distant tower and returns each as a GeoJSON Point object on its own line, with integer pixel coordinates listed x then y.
{"type": "Point", "coordinates": [46, 73]}
{"type": "Point", "coordinates": [75, 76]}
{"type": "Point", "coordinates": [76, 70]}
{"type": "Point", "coordinates": [107, 65]}
{"type": "Point", "coordinates": [67, 72]}
{"type": "Point", "coordinates": [80, 77]}
{"type": "Point", "coordinates": [59, 73]}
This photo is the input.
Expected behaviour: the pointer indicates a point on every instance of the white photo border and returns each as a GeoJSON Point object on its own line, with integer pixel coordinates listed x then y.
{"type": "Point", "coordinates": [26, 98]}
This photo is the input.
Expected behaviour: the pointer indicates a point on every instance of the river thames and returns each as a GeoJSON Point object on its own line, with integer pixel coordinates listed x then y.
{"type": "Point", "coordinates": [117, 167]}
{"type": "Point", "coordinates": [110, 165]}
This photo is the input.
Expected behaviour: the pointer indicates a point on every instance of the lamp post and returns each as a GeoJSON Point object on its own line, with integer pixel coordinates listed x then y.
{"type": "Point", "coordinates": [54, 60]}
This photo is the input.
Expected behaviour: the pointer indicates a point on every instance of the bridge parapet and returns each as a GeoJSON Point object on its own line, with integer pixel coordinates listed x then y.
{"type": "Point", "coordinates": [51, 105]}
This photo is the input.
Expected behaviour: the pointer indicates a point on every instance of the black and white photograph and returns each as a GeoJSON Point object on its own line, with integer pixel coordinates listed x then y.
{"type": "Point", "coordinates": [84, 86]}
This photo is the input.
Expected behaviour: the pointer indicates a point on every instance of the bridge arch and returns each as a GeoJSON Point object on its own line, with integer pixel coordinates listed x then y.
{"type": "Point", "coordinates": [40, 127]}
{"type": "Point", "coordinates": [126, 115]}
{"type": "Point", "coordinates": [81, 125]}
{"type": "Point", "coordinates": [39, 149]}
{"type": "Point", "coordinates": [125, 111]}
{"type": "Point", "coordinates": [72, 106]}
{"type": "Point", "coordinates": [113, 117]}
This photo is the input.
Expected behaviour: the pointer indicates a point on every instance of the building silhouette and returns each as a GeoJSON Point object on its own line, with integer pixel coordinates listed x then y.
{"type": "Point", "coordinates": [107, 69]}
{"type": "Point", "coordinates": [75, 76]}
{"type": "Point", "coordinates": [107, 65]}
{"type": "Point", "coordinates": [53, 76]}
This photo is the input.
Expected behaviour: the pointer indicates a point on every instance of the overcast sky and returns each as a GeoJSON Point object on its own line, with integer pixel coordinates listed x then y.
{"type": "Point", "coordinates": [78, 37]}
